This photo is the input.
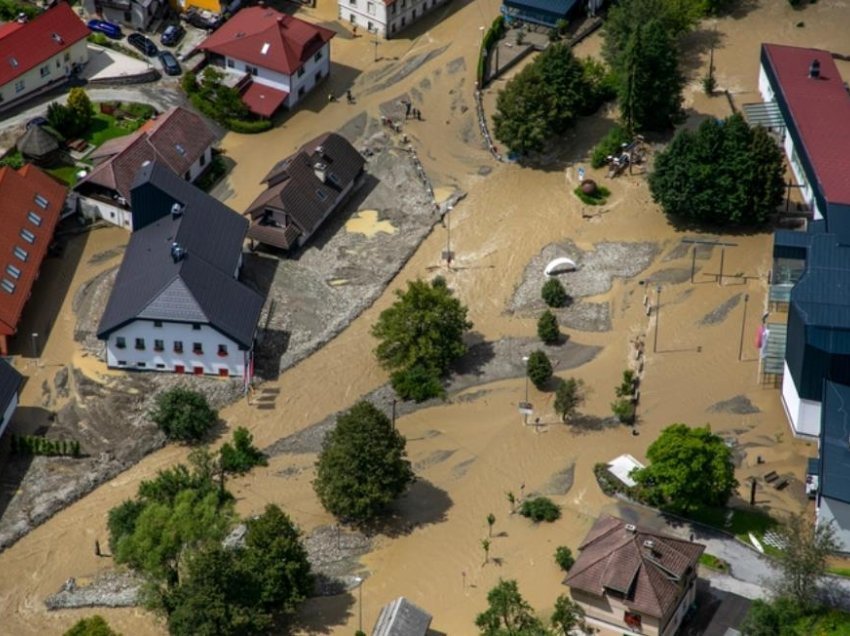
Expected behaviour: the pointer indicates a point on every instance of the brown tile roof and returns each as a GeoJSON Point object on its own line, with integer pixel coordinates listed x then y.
{"type": "Point", "coordinates": [296, 196]}
{"type": "Point", "coordinates": [643, 567]}
{"type": "Point", "coordinates": [177, 138]}
{"type": "Point", "coordinates": [21, 215]}
{"type": "Point", "coordinates": [263, 100]}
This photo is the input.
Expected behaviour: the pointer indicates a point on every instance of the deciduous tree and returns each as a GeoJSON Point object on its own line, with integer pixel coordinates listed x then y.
{"type": "Point", "coordinates": [91, 626]}
{"type": "Point", "coordinates": [539, 369]}
{"type": "Point", "coordinates": [568, 616]}
{"type": "Point", "coordinates": [568, 397]}
{"type": "Point", "coordinates": [508, 613]}
{"type": "Point", "coordinates": [803, 559]}
{"type": "Point", "coordinates": [241, 456]}
{"type": "Point", "coordinates": [183, 414]}
{"type": "Point", "coordinates": [547, 328]}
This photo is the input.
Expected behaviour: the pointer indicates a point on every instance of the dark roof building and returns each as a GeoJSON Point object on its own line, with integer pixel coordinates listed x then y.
{"type": "Point", "coordinates": [10, 384]}
{"type": "Point", "coordinates": [628, 577]}
{"type": "Point", "coordinates": [30, 206]}
{"type": "Point", "coordinates": [182, 267]}
{"type": "Point", "coordinates": [402, 618]}
{"type": "Point", "coordinates": [543, 12]}
{"type": "Point", "coordinates": [304, 190]}
{"type": "Point", "coordinates": [833, 499]}
{"type": "Point", "coordinates": [38, 145]}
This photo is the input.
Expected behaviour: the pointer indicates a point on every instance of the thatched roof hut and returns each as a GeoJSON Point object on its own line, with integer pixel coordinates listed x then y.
{"type": "Point", "coordinates": [39, 146]}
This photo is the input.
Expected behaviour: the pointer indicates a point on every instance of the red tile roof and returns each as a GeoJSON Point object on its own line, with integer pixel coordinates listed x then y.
{"type": "Point", "coordinates": [18, 192]}
{"type": "Point", "coordinates": [35, 42]}
{"type": "Point", "coordinates": [265, 37]}
{"type": "Point", "coordinates": [263, 100]}
{"type": "Point", "coordinates": [644, 570]}
{"type": "Point", "coordinates": [821, 112]}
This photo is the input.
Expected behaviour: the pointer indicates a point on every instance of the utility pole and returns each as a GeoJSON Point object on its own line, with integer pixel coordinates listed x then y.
{"type": "Point", "coordinates": [743, 327]}
{"type": "Point", "coordinates": [375, 42]}
{"type": "Point", "coordinates": [657, 317]}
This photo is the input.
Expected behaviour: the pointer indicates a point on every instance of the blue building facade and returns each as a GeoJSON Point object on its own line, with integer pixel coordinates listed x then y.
{"type": "Point", "coordinates": [546, 13]}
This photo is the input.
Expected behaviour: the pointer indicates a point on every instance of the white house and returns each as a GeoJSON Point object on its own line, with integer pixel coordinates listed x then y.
{"type": "Point", "coordinates": [385, 17]}
{"type": "Point", "coordinates": [177, 304]}
{"type": "Point", "coordinates": [179, 138]}
{"type": "Point", "coordinates": [278, 59]}
{"type": "Point", "coordinates": [10, 384]}
{"type": "Point", "coordinates": [40, 52]}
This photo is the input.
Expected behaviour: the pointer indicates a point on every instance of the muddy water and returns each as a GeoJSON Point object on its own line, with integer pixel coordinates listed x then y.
{"type": "Point", "coordinates": [470, 452]}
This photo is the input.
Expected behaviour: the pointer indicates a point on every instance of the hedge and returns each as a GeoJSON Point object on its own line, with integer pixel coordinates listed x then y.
{"type": "Point", "coordinates": [495, 33]}
{"type": "Point", "coordinates": [249, 127]}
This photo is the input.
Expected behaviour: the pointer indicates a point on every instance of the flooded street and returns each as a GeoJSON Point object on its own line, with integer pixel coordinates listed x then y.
{"type": "Point", "coordinates": [470, 451]}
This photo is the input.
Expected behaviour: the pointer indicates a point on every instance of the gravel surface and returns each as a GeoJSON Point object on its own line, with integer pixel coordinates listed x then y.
{"type": "Point", "coordinates": [110, 589]}
{"type": "Point", "coordinates": [720, 313]}
{"type": "Point", "coordinates": [739, 405]}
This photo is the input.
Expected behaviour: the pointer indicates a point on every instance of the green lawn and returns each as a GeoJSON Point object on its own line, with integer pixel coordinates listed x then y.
{"type": "Point", "coordinates": [714, 563]}
{"type": "Point", "coordinates": [741, 523]}
{"type": "Point", "coordinates": [65, 174]}
{"type": "Point", "coordinates": [839, 571]}
{"type": "Point", "coordinates": [106, 127]}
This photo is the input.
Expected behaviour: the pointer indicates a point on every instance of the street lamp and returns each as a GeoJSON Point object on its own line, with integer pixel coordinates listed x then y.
{"type": "Point", "coordinates": [34, 345]}
{"type": "Point", "coordinates": [743, 326]}
{"type": "Point", "coordinates": [447, 254]}
{"type": "Point", "coordinates": [359, 580]}
{"type": "Point", "coordinates": [525, 407]}
{"type": "Point", "coordinates": [657, 317]}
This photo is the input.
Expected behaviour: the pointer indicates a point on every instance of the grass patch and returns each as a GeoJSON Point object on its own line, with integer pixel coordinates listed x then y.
{"type": "Point", "coordinates": [597, 198]}
{"type": "Point", "coordinates": [66, 174]}
{"type": "Point", "coordinates": [214, 174]}
{"type": "Point", "coordinates": [105, 127]}
{"type": "Point", "coordinates": [740, 523]}
{"type": "Point", "coordinates": [838, 571]}
{"type": "Point", "coordinates": [825, 621]}
{"type": "Point", "coordinates": [713, 563]}
{"type": "Point", "coordinates": [13, 159]}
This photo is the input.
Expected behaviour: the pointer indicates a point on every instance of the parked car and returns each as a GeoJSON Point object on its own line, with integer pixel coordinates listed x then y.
{"type": "Point", "coordinates": [37, 121]}
{"type": "Point", "coordinates": [107, 28]}
{"type": "Point", "coordinates": [202, 19]}
{"type": "Point", "coordinates": [169, 63]}
{"type": "Point", "coordinates": [172, 35]}
{"type": "Point", "coordinates": [142, 43]}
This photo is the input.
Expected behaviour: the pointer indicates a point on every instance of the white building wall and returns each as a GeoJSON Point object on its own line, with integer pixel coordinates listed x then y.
{"type": "Point", "coordinates": [803, 415]}
{"type": "Point", "coordinates": [200, 164]}
{"type": "Point", "coordinates": [6, 417]}
{"type": "Point", "coordinates": [56, 68]}
{"type": "Point", "coordinates": [387, 21]}
{"type": "Point", "coordinates": [168, 360]}
{"type": "Point", "coordinates": [95, 209]}
{"type": "Point", "coordinates": [264, 76]}
{"type": "Point", "coordinates": [838, 514]}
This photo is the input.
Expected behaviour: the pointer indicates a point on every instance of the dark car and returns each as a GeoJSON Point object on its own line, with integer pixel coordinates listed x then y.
{"type": "Point", "coordinates": [107, 28]}
{"type": "Point", "coordinates": [143, 44]}
{"type": "Point", "coordinates": [37, 121]}
{"type": "Point", "coordinates": [172, 35]}
{"type": "Point", "coordinates": [202, 20]}
{"type": "Point", "coordinates": [169, 63]}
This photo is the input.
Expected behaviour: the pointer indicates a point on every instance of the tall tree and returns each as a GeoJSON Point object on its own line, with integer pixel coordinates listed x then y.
{"type": "Point", "coordinates": [508, 613]}
{"type": "Point", "coordinates": [689, 468]}
{"type": "Point", "coordinates": [363, 465]}
{"type": "Point", "coordinates": [568, 617]}
{"type": "Point", "coordinates": [183, 414]}
{"type": "Point", "coordinates": [802, 561]}
{"type": "Point", "coordinates": [568, 397]}
{"type": "Point", "coordinates": [422, 332]}
{"type": "Point", "coordinates": [677, 17]}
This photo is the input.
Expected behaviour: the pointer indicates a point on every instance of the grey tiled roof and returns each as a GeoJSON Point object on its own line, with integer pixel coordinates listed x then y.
{"type": "Point", "coordinates": [402, 618]}
{"type": "Point", "coordinates": [199, 287]}
{"type": "Point", "coordinates": [10, 382]}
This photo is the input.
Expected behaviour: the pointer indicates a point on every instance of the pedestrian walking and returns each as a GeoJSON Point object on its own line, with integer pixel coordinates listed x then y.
{"type": "Point", "coordinates": [97, 548]}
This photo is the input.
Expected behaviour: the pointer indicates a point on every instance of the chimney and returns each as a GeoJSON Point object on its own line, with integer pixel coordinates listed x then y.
{"type": "Point", "coordinates": [814, 69]}
{"type": "Point", "coordinates": [630, 527]}
{"type": "Point", "coordinates": [649, 543]}
{"type": "Point", "coordinates": [320, 169]}
{"type": "Point", "coordinates": [177, 252]}
{"type": "Point", "coordinates": [176, 212]}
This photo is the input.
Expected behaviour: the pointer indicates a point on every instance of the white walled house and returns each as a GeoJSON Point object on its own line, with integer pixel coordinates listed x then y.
{"type": "Point", "coordinates": [177, 304]}
{"type": "Point", "coordinates": [179, 138]}
{"type": "Point", "coordinates": [38, 53]}
{"type": "Point", "coordinates": [10, 385]}
{"type": "Point", "coordinates": [278, 58]}
{"type": "Point", "coordinates": [385, 17]}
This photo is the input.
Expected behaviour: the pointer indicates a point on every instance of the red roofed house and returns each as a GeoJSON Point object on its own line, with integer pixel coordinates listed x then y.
{"type": "Point", "coordinates": [40, 52]}
{"type": "Point", "coordinates": [179, 139]}
{"type": "Point", "coordinates": [385, 17]}
{"type": "Point", "coordinates": [30, 205]}
{"type": "Point", "coordinates": [633, 582]}
{"type": "Point", "coordinates": [278, 58]}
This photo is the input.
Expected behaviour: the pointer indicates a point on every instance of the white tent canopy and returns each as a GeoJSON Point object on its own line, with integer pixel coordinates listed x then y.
{"type": "Point", "coordinates": [559, 266]}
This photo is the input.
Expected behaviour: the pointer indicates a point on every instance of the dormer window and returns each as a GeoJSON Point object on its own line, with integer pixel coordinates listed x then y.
{"type": "Point", "coordinates": [323, 196]}
{"type": "Point", "coordinates": [28, 236]}
{"type": "Point", "coordinates": [13, 271]}
{"type": "Point", "coordinates": [21, 253]}
{"type": "Point", "coordinates": [7, 285]}
{"type": "Point", "coordinates": [34, 218]}
{"type": "Point", "coordinates": [41, 202]}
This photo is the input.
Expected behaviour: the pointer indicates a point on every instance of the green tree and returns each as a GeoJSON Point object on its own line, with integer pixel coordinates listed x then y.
{"type": "Point", "coordinates": [183, 414]}
{"type": "Point", "coordinates": [122, 521]}
{"type": "Point", "coordinates": [677, 17]}
{"type": "Point", "coordinates": [421, 333]}
{"type": "Point", "coordinates": [772, 618]}
{"type": "Point", "coordinates": [242, 455]}
{"type": "Point", "coordinates": [508, 613]}
{"type": "Point", "coordinates": [569, 395]}
{"type": "Point", "coordinates": [803, 559]}
{"type": "Point", "coordinates": [417, 383]}
{"type": "Point", "coordinates": [491, 519]}
{"type": "Point", "coordinates": [547, 328]}
{"type": "Point", "coordinates": [540, 509]}
{"type": "Point", "coordinates": [485, 545]}
{"type": "Point", "coordinates": [362, 467]}
{"type": "Point", "coordinates": [81, 108]}
{"type": "Point", "coordinates": [723, 173]}
{"type": "Point", "coordinates": [91, 626]}
{"type": "Point", "coordinates": [567, 617]}
{"type": "Point", "coordinates": [564, 558]}
{"type": "Point", "coordinates": [689, 468]}
{"type": "Point", "coordinates": [624, 410]}
{"type": "Point", "coordinates": [539, 369]}
{"type": "Point", "coordinates": [553, 293]}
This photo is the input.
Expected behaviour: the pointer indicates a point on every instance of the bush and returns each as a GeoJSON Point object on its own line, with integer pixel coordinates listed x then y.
{"type": "Point", "coordinates": [13, 160]}
{"type": "Point", "coordinates": [418, 383]}
{"type": "Point", "coordinates": [547, 328]}
{"type": "Point", "coordinates": [242, 455]}
{"type": "Point", "coordinates": [624, 410]}
{"type": "Point", "coordinates": [597, 198]}
{"type": "Point", "coordinates": [183, 414]}
{"type": "Point", "coordinates": [553, 293]}
{"type": "Point", "coordinates": [39, 445]}
{"type": "Point", "coordinates": [610, 144]}
{"type": "Point", "coordinates": [539, 369]}
{"type": "Point", "coordinates": [540, 509]}
{"type": "Point", "coordinates": [564, 558]}
{"type": "Point", "coordinates": [91, 626]}
{"type": "Point", "coordinates": [251, 127]}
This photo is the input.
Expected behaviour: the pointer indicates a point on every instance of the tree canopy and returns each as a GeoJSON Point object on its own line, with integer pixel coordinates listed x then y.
{"type": "Point", "coordinates": [509, 614]}
{"type": "Point", "coordinates": [421, 334]}
{"type": "Point", "coordinates": [539, 369]}
{"type": "Point", "coordinates": [689, 468]}
{"type": "Point", "coordinates": [803, 560]}
{"type": "Point", "coordinates": [183, 414]}
{"type": "Point", "coordinates": [92, 626]}
{"type": "Point", "coordinates": [363, 465]}
{"type": "Point", "coordinates": [240, 456]}
{"type": "Point", "coordinates": [569, 395]}
{"type": "Point", "coordinates": [723, 173]}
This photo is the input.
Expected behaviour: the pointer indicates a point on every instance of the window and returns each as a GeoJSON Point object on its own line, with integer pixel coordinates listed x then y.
{"type": "Point", "coordinates": [21, 253]}
{"type": "Point", "coordinates": [122, 363]}
{"type": "Point", "coordinates": [128, 17]}
{"type": "Point", "coordinates": [41, 202]}
{"type": "Point", "coordinates": [159, 365]}
{"type": "Point", "coordinates": [323, 196]}
{"type": "Point", "coordinates": [120, 342]}
{"type": "Point", "coordinates": [318, 77]}
{"type": "Point", "coordinates": [352, 18]}
{"type": "Point", "coordinates": [301, 91]}
{"type": "Point", "coordinates": [402, 20]}
{"type": "Point", "coordinates": [203, 160]}
{"type": "Point", "coordinates": [251, 69]}
{"type": "Point", "coordinates": [222, 351]}
{"type": "Point", "coordinates": [7, 285]}
{"type": "Point", "coordinates": [230, 63]}
{"type": "Point", "coordinates": [28, 236]}
{"type": "Point", "coordinates": [140, 344]}
{"type": "Point", "coordinates": [34, 218]}
{"type": "Point", "coordinates": [19, 86]}
{"type": "Point", "coordinates": [370, 8]}
{"type": "Point", "coordinates": [157, 323]}
{"type": "Point", "coordinates": [58, 63]}
{"type": "Point", "coordinates": [196, 326]}
{"type": "Point", "coordinates": [158, 345]}
{"type": "Point", "coordinates": [392, 9]}
{"type": "Point", "coordinates": [141, 364]}
{"type": "Point", "coordinates": [197, 347]}
{"type": "Point", "coordinates": [334, 179]}
{"type": "Point", "coordinates": [300, 72]}
{"type": "Point", "coordinates": [352, 2]}
{"type": "Point", "coordinates": [13, 271]}
{"type": "Point", "coordinates": [317, 56]}
{"type": "Point", "coordinates": [178, 346]}
{"type": "Point", "coordinates": [44, 71]}
{"type": "Point", "coordinates": [67, 57]}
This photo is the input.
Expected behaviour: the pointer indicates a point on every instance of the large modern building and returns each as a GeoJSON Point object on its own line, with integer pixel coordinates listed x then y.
{"type": "Point", "coordinates": [178, 305]}
{"type": "Point", "coordinates": [41, 52]}
{"type": "Point", "coordinates": [385, 17]}
{"type": "Point", "coordinates": [10, 385]}
{"type": "Point", "coordinates": [807, 105]}
{"type": "Point", "coordinates": [633, 582]}
{"type": "Point", "coordinates": [31, 204]}
{"type": "Point", "coordinates": [278, 59]}
{"type": "Point", "coordinates": [304, 190]}
{"type": "Point", "coordinates": [545, 13]}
